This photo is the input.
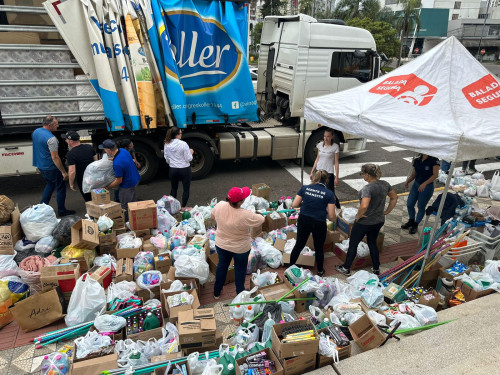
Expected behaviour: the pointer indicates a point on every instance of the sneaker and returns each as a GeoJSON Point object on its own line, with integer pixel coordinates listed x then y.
{"type": "Point", "coordinates": [321, 273]}
{"type": "Point", "coordinates": [342, 270]}
{"type": "Point", "coordinates": [216, 297]}
{"type": "Point", "coordinates": [376, 272]}
{"type": "Point", "coordinates": [408, 224]}
{"type": "Point", "coordinates": [471, 171]}
{"type": "Point", "coordinates": [67, 213]}
{"type": "Point", "coordinates": [413, 228]}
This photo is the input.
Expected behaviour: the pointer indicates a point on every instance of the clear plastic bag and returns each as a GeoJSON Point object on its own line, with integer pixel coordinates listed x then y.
{"type": "Point", "coordinates": [327, 348]}
{"type": "Point", "coordinates": [45, 245]}
{"type": "Point", "coordinates": [143, 262]}
{"type": "Point", "coordinates": [169, 203]}
{"type": "Point", "coordinates": [55, 364]}
{"type": "Point", "coordinates": [165, 221]}
{"type": "Point", "coordinates": [123, 290]}
{"type": "Point", "coordinates": [62, 231]}
{"type": "Point", "coordinates": [129, 241]}
{"type": "Point", "coordinates": [8, 266]}
{"type": "Point", "coordinates": [88, 300]}
{"type": "Point", "coordinates": [267, 331]}
{"type": "Point", "coordinates": [149, 279]}
{"type": "Point", "coordinates": [98, 174]}
{"type": "Point", "coordinates": [407, 321]}
{"type": "Point", "coordinates": [376, 318]}
{"type": "Point", "coordinates": [169, 343]}
{"type": "Point", "coordinates": [253, 260]}
{"type": "Point", "coordinates": [38, 221]}
{"type": "Point", "coordinates": [129, 354]}
{"type": "Point", "coordinates": [179, 299]}
{"type": "Point", "coordinates": [246, 335]}
{"type": "Point", "coordinates": [24, 245]}
{"type": "Point", "coordinates": [104, 223]}
{"type": "Point", "coordinates": [160, 242]}
{"type": "Point", "coordinates": [109, 323]}
{"type": "Point", "coordinates": [425, 314]}
{"type": "Point", "coordinates": [272, 256]}
{"type": "Point", "coordinates": [106, 260]}
{"type": "Point", "coordinates": [264, 278]}
{"type": "Point", "coordinates": [192, 266]}
{"type": "Point", "coordinates": [372, 296]}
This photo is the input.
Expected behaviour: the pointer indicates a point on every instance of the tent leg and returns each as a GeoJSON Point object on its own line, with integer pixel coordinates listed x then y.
{"type": "Point", "coordinates": [303, 152]}
{"type": "Point", "coordinates": [436, 223]}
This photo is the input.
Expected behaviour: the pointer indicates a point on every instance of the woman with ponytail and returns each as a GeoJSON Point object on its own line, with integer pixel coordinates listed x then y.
{"type": "Point", "coordinates": [370, 217]}
{"type": "Point", "coordinates": [317, 200]}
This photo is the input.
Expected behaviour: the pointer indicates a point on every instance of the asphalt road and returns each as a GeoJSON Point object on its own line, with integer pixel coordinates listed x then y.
{"type": "Point", "coordinates": [27, 190]}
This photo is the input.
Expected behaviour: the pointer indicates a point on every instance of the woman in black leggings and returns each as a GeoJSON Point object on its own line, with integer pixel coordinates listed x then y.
{"type": "Point", "coordinates": [316, 199]}
{"type": "Point", "coordinates": [178, 156]}
{"type": "Point", "coordinates": [370, 217]}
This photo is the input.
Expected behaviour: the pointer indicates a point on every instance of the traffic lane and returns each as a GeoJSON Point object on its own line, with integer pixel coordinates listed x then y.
{"type": "Point", "coordinates": [27, 190]}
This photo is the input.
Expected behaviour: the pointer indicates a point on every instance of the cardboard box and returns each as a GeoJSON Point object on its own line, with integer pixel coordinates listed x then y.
{"type": "Point", "coordinates": [83, 261]}
{"type": "Point", "coordinates": [100, 196]}
{"type": "Point", "coordinates": [196, 328]}
{"type": "Point", "coordinates": [166, 357]}
{"type": "Point", "coordinates": [445, 275]}
{"type": "Point", "coordinates": [272, 224]}
{"type": "Point", "coordinates": [429, 278]}
{"type": "Point", "coordinates": [261, 190]}
{"type": "Point", "coordinates": [148, 246]}
{"type": "Point", "coordinates": [332, 237]}
{"type": "Point", "coordinates": [213, 261]}
{"type": "Point", "coordinates": [147, 294]}
{"type": "Point", "coordinates": [112, 210]}
{"type": "Point", "coordinates": [119, 222]}
{"type": "Point", "coordinates": [172, 313]}
{"type": "Point", "coordinates": [155, 333]}
{"type": "Point", "coordinates": [161, 370]}
{"type": "Point", "coordinates": [63, 276]}
{"type": "Point", "coordinates": [95, 365]}
{"type": "Point", "coordinates": [431, 299]}
{"type": "Point", "coordinates": [270, 355]}
{"type": "Point", "coordinates": [366, 334]}
{"type": "Point", "coordinates": [170, 275]}
{"type": "Point", "coordinates": [101, 274]}
{"type": "Point", "coordinates": [293, 349]}
{"type": "Point", "coordinates": [300, 306]}
{"type": "Point", "coordinates": [210, 223]}
{"type": "Point", "coordinates": [273, 292]}
{"type": "Point", "coordinates": [127, 253]}
{"type": "Point", "coordinates": [107, 239]}
{"type": "Point", "coordinates": [85, 235]}
{"type": "Point", "coordinates": [218, 342]}
{"type": "Point", "coordinates": [15, 37]}
{"type": "Point", "coordinates": [10, 234]}
{"type": "Point", "coordinates": [142, 215]}
{"type": "Point", "coordinates": [358, 262]}
{"type": "Point", "coordinates": [469, 293]}
{"type": "Point", "coordinates": [299, 365]}
{"type": "Point", "coordinates": [163, 263]}
{"type": "Point", "coordinates": [322, 361]}
{"type": "Point", "coordinates": [343, 225]}
{"type": "Point", "coordinates": [145, 234]}
{"type": "Point", "coordinates": [121, 230]}
{"type": "Point", "coordinates": [302, 260]}
{"type": "Point", "coordinates": [255, 231]}
{"type": "Point", "coordinates": [124, 270]}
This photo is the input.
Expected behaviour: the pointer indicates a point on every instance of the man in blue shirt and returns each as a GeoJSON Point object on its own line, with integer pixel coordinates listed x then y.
{"type": "Point", "coordinates": [46, 159]}
{"type": "Point", "coordinates": [127, 176]}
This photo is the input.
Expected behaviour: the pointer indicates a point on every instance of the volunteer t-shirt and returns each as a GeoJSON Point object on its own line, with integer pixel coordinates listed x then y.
{"type": "Point", "coordinates": [124, 167]}
{"type": "Point", "coordinates": [326, 154]}
{"type": "Point", "coordinates": [424, 168]}
{"type": "Point", "coordinates": [80, 156]}
{"type": "Point", "coordinates": [233, 227]}
{"type": "Point", "coordinates": [315, 200]}
{"type": "Point", "coordinates": [377, 192]}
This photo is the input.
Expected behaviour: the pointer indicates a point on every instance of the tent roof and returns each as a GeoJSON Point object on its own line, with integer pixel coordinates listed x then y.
{"type": "Point", "coordinates": [444, 104]}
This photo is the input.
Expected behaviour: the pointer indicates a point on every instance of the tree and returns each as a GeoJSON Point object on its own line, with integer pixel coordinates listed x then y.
{"type": "Point", "coordinates": [386, 15]}
{"type": "Point", "coordinates": [384, 34]}
{"type": "Point", "coordinates": [349, 9]}
{"type": "Point", "coordinates": [370, 9]}
{"type": "Point", "coordinates": [255, 35]}
{"type": "Point", "coordinates": [272, 8]}
{"type": "Point", "coordinates": [407, 20]}
{"type": "Point", "coordinates": [306, 6]}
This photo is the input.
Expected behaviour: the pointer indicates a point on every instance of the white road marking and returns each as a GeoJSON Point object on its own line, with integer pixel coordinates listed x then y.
{"type": "Point", "coordinates": [357, 184]}
{"type": "Point", "coordinates": [408, 159]}
{"type": "Point", "coordinates": [347, 169]}
{"type": "Point", "coordinates": [393, 148]}
{"type": "Point", "coordinates": [352, 153]}
{"type": "Point", "coordinates": [485, 167]}
{"type": "Point", "coordinates": [370, 141]}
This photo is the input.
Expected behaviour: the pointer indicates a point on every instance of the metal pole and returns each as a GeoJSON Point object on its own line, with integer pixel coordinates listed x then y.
{"type": "Point", "coordinates": [303, 151]}
{"type": "Point", "coordinates": [436, 223]}
{"type": "Point", "coordinates": [482, 33]}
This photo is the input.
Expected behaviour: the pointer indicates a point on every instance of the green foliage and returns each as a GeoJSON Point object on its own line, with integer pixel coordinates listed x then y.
{"type": "Point", "coordinates": [407, 20]}
{"type": "Point", "coordinates": [386, 15]}
{"type": "Point", "coordinates": [306, 6]}
{"type": "Point", "coordinates": [255, 35]}
{"type": "Point", "coordinates": [272, 8]}
{"type": "Point", "coordinates": [349, 9]}
{"type": "Point", "coordinates": [385, 36]}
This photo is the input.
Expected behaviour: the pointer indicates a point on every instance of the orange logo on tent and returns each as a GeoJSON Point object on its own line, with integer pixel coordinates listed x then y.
{"type": "Point", "coordinates": [407, 88]}
{"type": "Point", "coordinates": [484, 93]}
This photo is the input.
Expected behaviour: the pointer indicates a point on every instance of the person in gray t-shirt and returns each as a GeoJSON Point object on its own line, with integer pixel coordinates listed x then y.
{"type": "Point", "coordinates": [370, 217]}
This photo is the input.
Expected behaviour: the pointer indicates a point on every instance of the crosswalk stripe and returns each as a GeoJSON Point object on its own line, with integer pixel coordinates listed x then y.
{"type": "Point", "coordinates": [393, 148]}
{"type": "Point", "coordinates": [347, 169]}
{"type": "Point", "coordinates": [358, 183]}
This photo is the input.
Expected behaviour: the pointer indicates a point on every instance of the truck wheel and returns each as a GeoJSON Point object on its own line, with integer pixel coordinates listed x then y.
{"type": "Point", "coordinates": [203, 158]}
{"type": "Point", "coordinates": [311, 151]}
{"type": "Point", "coordinates": [149, 162]}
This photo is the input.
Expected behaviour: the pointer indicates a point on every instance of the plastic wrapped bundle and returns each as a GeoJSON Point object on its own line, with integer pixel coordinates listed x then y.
{"type": "Point", "coordinates": [253, 260]}
{"type": "Point", "coordinates": [46, 244]}
{"type": "Point", "coordinates": [8, 266]}
{"type": "Point", "coordinates": [30, 270]}
{"type": "Point", "coordinates": [7, 206]}
{"type": "Point", "coordinates": [38, 221]}
{"type": "Point", "coordinates": [169, 203]}
{"type": "Point", "coordinates": [62, 231]}
{"type": "Point", "coordinates": [143, 262]}
{"type": "Point", "coordinates": [192, 266]}
{"type": "Point", "coordinates": [98, 174]}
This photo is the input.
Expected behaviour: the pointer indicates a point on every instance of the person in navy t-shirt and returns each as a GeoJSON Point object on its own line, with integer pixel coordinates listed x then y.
{"type": "Point", "coordinates": [317, 200]}
{"type": "Point", "coordinates": [127, 176]}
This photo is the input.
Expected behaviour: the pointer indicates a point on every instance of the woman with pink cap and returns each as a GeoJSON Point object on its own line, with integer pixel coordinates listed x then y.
{"type": "Point", "coordinates": [232, 237]}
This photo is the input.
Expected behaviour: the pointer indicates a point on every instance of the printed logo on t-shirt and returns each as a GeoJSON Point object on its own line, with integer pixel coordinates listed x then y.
{"type": "Point", "coordinates": [315, 193]}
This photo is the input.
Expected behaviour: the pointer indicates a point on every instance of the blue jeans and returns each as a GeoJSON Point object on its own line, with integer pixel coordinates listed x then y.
{"type": "Point", "coordinates": [54, 180]}
{"type": "Point", "coordinates": [445, 166]}
{"type": "Point", "coordinates": [240, 269]}
{"type": "Point", "coordinates": [419, 198]}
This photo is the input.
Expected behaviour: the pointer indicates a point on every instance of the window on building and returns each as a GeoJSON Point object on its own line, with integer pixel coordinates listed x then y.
{"type": "Point", "coordinates": [454, 16]}
{"type": "Point", "coordinates": [494, 30]}
{"type": "Point", "coordinates": [345, 64]}
{"type": "Point", "coordinates": [458, 4]}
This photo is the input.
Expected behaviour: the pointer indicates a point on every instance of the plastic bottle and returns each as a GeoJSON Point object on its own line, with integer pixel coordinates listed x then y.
{"type": "Point", "coordinates": [238, 315]}
{"type": "Point", "coordinates": [240, 354]}
{"type": "Point", "coordinates": [288, 202]}
{"type": "Point", "coordinates": [228, 362]}
{"type": "Point", "coordinates": [325, 323]}
{"type": "Point", "coordinates": [151, 322]}
{"type": "Point", "coordinates": [249, 313]}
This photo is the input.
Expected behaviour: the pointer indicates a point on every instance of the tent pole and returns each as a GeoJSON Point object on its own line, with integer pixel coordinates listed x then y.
{"type": "Point", "coordinates": [303, 152]}
{"type": "Point", "coordinates": [436, 223]}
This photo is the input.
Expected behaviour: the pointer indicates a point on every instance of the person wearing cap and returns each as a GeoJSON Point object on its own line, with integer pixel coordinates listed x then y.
{"type": "Point", "coordinates": [46, 158]}
{"type": "Point", "coordinates": [316, 201]}
{"type": "Point", "coordinates": [126, 175]}
{"type": "Point", "coordinates": [78, 157]}
{"type": "Point", "coordinates": [129, 146]}
{"type": "Point", "coordinates": [232, 237]}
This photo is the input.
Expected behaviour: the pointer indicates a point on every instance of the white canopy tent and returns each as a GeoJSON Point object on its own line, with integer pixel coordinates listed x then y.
{"type": "Point", "coordinates": [444, 104]}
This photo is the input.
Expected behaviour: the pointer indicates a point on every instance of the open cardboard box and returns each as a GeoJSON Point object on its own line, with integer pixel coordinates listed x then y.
{"type": "Point", "coordinates": [161, 370]}
{"type": "Point", "coordinates": [155, 291]}
{"type": "Point", "coordinates": [112, 210]}
{"type": "Point", "coordinates": [469, 293]}
{"type": "Point", "coordinates": [95, 366]}
{"type": "Point", "coordinates": [261, 190]}
{"type": "Point", "coordinates": [213, 261]}
{"type": "Point", "coordinates": [366, 334]}
{"type": "Point", "coordinates": [323, 360]}
{"type": "Point", "coordinates": [85, 235]}
{"type": "Point", "coordinates": [63, 276]}
{"type": "Point", "coordinates": [300, 306]}
{"type": "Point", "coordinates": [303, 260]}
{"type": "Point", "coordinates": [362, 262]}
{"type": "Point", "coordinates": [218, 342]}
{"type": "Point", "coordinates": [429, 278]}
{"type": "Point", "coordinates": [10, 234]}
{"type": "Point", "coordinates": [124, 270]}
{"type": "Point", "coordinates": [272, 224]}
{"type": "Point", "coordinates": [172, 313]}
{"type": "Point", "coordinates": [293, 349]}
{"type": "Point", "coordinates": [127, 253]}
{"type": "Point", "coordinates": [163, 262]}
{"type": "Point", "coordinates": [196, 328]}
{"type": "Point", "coordinates": [273, 292]}
{"type": "Point", "coordinates": [299, 365]}
{"type": "Point", "coordinates": [270, 356]}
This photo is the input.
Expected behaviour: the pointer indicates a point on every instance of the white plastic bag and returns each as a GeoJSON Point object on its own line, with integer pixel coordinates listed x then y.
{"type": "Point", "coordinates": [289, 245]}
{"type": "Point", "coordinates": [407, 321]}
{"type": "Point", "coordinates": [495, 194]}
{"type": "Point", "coordinates": [492, 268]}
{"type": "Point", "coordinates": [165, 221]}
{"type": "Point", "coordinates": [91, 342]}
{"type": "Point", "coordinates": [264, 278]}
{"type": "Point", "coordinates": [471, 191]}
{"type": "Point", "coordinates": [88, 300]}
{"type": "Point", "coordinates": [98, 174]}
{"type": "Point", "coordinates": [38, 221]}
{"type": "Point", "coordinates": [192, 266]}
{"type": "Point", "coordinates": [425, 314]}
{"type": "Point", "coordinates": [104, 223]}
{"type": "Point", "coordinates": [176, 286]}
{"type": "Point", "coordinates": [45, 245]}
{"type": "Point", "coordinates": [24, 245]}
{"type": "Point", "coordinates": [483, 191]}
{"type": "Point", "coordinates": [495, 181]}
{"type": "Point", "coordinates": [376, 318]}
{"type": "Point", "coordinates": [327, 348]}
{"type": "Point", "coordinates": [349, 214]}
{"type": "Point", "coordinates": [124, 289]}
{"type": "Point", "coordinates": [7, 265]}
{"type": "Point", "coordinates": [109, 323]}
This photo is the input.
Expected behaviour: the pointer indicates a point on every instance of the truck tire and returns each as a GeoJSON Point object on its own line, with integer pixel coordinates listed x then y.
{"type": "Point", "coordinates": [148, 160]}
{"type": "Point", "coordinates": [311, 152]}
{"type": "Point", "coordinates": [203, 158]}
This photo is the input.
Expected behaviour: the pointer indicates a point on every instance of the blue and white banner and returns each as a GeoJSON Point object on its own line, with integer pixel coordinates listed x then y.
{"type": "Point", "coordinates": [203, 49]}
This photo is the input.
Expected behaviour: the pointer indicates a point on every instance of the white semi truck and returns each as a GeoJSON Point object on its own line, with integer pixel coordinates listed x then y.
{"type": "Point", "coordinates": [300, 57]}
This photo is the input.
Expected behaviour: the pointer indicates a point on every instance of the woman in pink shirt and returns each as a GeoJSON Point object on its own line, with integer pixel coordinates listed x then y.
{"type": "Point", "coordinates": [232, 238]}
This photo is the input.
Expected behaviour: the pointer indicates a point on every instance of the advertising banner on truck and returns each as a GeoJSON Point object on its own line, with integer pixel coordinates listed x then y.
{"type": "Point", "coordinates": [203, 50]}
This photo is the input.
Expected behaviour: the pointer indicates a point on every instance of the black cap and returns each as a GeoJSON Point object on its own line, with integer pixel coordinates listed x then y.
{"type": "Point", "coordinates": [108, 143]}
{"type": "Point", "coordinates": [71, 135]}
